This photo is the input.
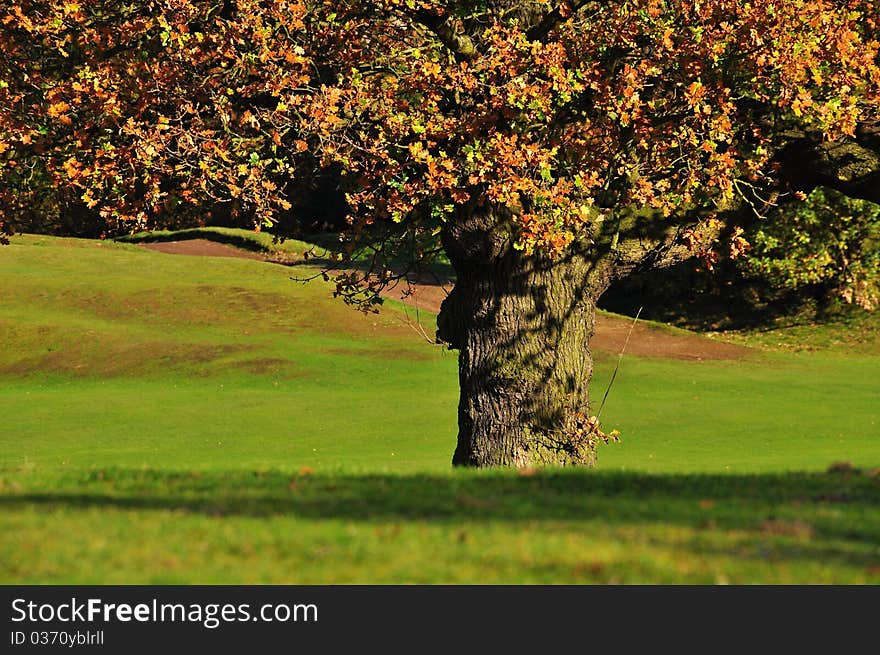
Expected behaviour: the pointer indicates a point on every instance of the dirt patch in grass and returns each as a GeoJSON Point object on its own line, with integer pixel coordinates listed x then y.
{"type": "Point", "coordinates": [279, 368]}
{"type": "Point", "coordinates": [652, 341]}
{"type": "Point", "coordinates": [112, 360]}
{"type": "Point", "coordinates": [610, 336]}
{"type": "Point", "coordinates": [234, 307]}
{"type": "Point", "coordinates": [201, 248]}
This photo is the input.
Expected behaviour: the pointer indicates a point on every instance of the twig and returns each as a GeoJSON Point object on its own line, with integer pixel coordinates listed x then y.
{"type": "Point", "coordinates": [418, 323]}
{"type": "Point", "coordinates": [619, 359]}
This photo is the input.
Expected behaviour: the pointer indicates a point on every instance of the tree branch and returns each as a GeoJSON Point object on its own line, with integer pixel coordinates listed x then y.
{"type": "Point", "coordinates": [645, 239]}
{"type": "Point", "coordinates": [450, 35]}
{"type": "Point", "coordinates": [851, 166]}
{"type": "Point", "coordinates": [552, 19]}
{"type": "Point", "coordinates": [639, 240]}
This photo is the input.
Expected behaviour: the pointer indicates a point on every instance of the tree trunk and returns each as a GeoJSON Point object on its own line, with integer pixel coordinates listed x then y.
{"type": "Point", "coordinates": [522, 326]}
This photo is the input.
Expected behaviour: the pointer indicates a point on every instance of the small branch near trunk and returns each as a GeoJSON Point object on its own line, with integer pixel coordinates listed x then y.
{"type": "Point", "coordinates": [619, 360]}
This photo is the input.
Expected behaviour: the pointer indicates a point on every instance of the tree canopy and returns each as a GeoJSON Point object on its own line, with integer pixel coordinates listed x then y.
{"type": "Point", "coordinates": [562, 112]}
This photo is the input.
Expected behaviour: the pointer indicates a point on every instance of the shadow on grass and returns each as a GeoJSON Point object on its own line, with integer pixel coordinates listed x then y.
{"type": "Point", "coordinates": [554, 495]}
{"type": "Point", "coordinates": [808, 517]}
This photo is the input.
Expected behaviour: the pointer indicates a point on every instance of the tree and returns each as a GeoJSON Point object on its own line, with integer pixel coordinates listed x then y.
{"type": "Point", "coordinates": [830, 243]}
{"type": "Point", "coordinates": [551, 147]}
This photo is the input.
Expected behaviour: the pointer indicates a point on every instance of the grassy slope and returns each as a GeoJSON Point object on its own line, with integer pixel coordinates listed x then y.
{"type": "Point", "coordinates": [173, 419]}
{"type": "Point", "coordinates": [247, 239]}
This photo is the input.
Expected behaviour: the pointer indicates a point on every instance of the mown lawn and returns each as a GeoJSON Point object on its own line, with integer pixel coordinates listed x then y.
{"type": "Point", "coordinates": [175, 419]}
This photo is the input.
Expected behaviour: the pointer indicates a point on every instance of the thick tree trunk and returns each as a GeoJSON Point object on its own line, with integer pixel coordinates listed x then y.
{"type": "Point", "coordinates": [523, 327]}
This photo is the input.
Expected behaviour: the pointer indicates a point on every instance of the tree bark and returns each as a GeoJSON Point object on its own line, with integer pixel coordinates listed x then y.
{"type": "Point", "coordinates": [522, 326]}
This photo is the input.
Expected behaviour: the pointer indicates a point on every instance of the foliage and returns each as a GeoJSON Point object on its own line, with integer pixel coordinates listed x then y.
{"type": "Point", "coordinates": [829, 239]}
{"type": "Point", "coordinates": [130, 107]}
{"type": "Point", "coordinates": [559, 112]}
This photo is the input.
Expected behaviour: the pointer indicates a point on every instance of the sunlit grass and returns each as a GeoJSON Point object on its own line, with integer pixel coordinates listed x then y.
{"type": "Point", "coordinates": [176, 419]}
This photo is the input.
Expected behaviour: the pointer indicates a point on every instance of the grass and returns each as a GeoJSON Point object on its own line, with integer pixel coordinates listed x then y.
{"type": "Point", "coordinates": [208, 420]}
{"type": "Point", "coordinates": [301, 528]}
{"type": "Point", "coordinates": [850, 331]}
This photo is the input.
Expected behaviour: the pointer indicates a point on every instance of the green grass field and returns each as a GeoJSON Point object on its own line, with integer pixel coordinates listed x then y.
{"type": "Point", "coordinates": [172, 419]}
